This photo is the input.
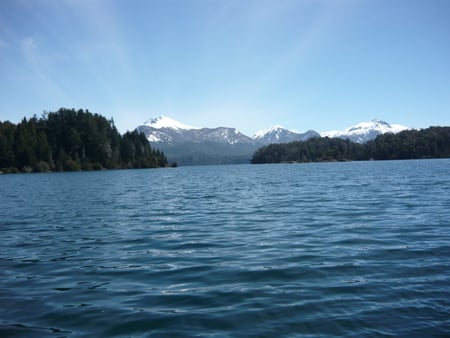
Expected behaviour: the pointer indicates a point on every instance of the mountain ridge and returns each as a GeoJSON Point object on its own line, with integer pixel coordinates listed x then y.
{"type": "Point", "coordinates": [193, 145]}
{"type": "Point", "coordinates": [161, 129]}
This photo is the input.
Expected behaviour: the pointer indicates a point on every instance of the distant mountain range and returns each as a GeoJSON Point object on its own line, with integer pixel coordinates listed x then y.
{"type": "Point", "coordinates": [189, 145]}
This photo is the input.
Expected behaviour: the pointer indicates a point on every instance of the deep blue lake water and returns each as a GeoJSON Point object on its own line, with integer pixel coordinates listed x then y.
{"type": "Point", "coordinates": [359, 249]}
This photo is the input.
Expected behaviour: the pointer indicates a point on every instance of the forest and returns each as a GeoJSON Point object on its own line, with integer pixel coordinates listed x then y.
{"type": "Point", "coordinates": [72, 140]}
{"type": "Point", "coordinates": [432, 142]}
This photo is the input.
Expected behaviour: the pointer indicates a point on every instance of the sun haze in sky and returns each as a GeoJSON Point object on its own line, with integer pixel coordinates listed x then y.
{"type": "Point", "coordinates": [249, 64]}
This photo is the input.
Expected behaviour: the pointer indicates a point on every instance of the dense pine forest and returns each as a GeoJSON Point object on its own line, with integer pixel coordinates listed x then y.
{"type": "Point", "coordinates": [433, 142]}
{"type": "Point", "coordinates": [72, 140]}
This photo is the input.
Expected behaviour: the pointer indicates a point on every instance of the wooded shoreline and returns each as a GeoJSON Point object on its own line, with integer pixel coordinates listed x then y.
{"type": "Point", "coordinates": [73, 140]}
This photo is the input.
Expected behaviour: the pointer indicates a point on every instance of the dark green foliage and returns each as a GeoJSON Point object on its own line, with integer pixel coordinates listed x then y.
{"type": "Point", "coordinates": [433, 142]}
{"type": "Point", "coordinates": [136, 152]}
{"type": "Point", "coordinates": [70, 140]}
{"type": "Point", "coordinates": [313, 150]}
{"type": "Point", "coordinates": [7, 135]}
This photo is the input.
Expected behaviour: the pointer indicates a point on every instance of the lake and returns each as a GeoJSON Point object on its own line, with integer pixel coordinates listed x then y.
{"type": "Point", "coordinates": [357, 249]}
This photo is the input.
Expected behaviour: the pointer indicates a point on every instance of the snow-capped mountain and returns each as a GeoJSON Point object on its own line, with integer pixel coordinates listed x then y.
{"type": "Point", "coordinates": [278, 134]}
{"type": "Point", "coordinates": [166, 130]}
{"type": "Point", "coordinates": [166, 122]}
{"type": "Point", "coordinates": [193, 145]}
{"type": "Point", "coordinates": [365, 131]}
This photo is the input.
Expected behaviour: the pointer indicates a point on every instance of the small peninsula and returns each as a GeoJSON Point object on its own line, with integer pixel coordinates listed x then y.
{"type": "Point", "coordinates": [73, 140]}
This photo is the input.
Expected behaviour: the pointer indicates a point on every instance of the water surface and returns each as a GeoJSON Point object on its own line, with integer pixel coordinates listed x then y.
{"type": "Point", "coordinates": [327, 249]}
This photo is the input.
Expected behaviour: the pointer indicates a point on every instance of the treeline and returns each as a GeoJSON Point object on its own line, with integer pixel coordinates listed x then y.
{"type": "Point", "coordinates": [433, 142]}
{"type": "Point", "coordinates": [72, 140]}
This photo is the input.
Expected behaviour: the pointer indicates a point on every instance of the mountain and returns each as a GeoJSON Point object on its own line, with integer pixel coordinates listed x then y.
{"type": "Point", "coordinates": [278, 134]}
{"type": "Point", "coordinates": [166, 122]}
{"type": "Point", "coordinates": [365, 131]}
{"type": "Point", "coordinates": [166, 130]}
{"type": "Point", "coordinates": [188, 145]}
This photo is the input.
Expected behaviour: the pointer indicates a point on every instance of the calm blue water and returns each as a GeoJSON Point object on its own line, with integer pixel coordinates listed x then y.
{"type": "Point", "coordinates": [357, 249]}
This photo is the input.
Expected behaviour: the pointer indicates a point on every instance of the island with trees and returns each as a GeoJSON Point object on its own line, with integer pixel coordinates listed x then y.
{"type": "Point", "coordinates": [432, 142]}
{"type": "Point", "coordinates": [73, 140]}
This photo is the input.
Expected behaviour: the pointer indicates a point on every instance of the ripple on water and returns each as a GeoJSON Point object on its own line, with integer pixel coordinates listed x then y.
{"type": "Point", "coordinates": [329, 249]}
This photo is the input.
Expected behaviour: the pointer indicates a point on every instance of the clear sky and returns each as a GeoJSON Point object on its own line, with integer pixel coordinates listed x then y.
{"type": "Point", "coordinates": [249, 64]}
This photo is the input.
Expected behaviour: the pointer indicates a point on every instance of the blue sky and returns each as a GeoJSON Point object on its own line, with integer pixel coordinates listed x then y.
{"type": "Point", "coordinates": [304, 64]}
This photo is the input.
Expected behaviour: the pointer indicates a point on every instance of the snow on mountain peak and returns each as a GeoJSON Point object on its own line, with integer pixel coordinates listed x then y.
{"type": "Point", "coordinates": [364, 131]}
{"type": "Point", "coordinates": [165, 129]}
{"type": "Point", "coordinates": [166, 122]}
{"type": "Point", "coordinates": [263, 132]}
{"type": "Point", "coordinates": [379, 125]}
{"type": "Point", "coordinates": [279, 134]}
